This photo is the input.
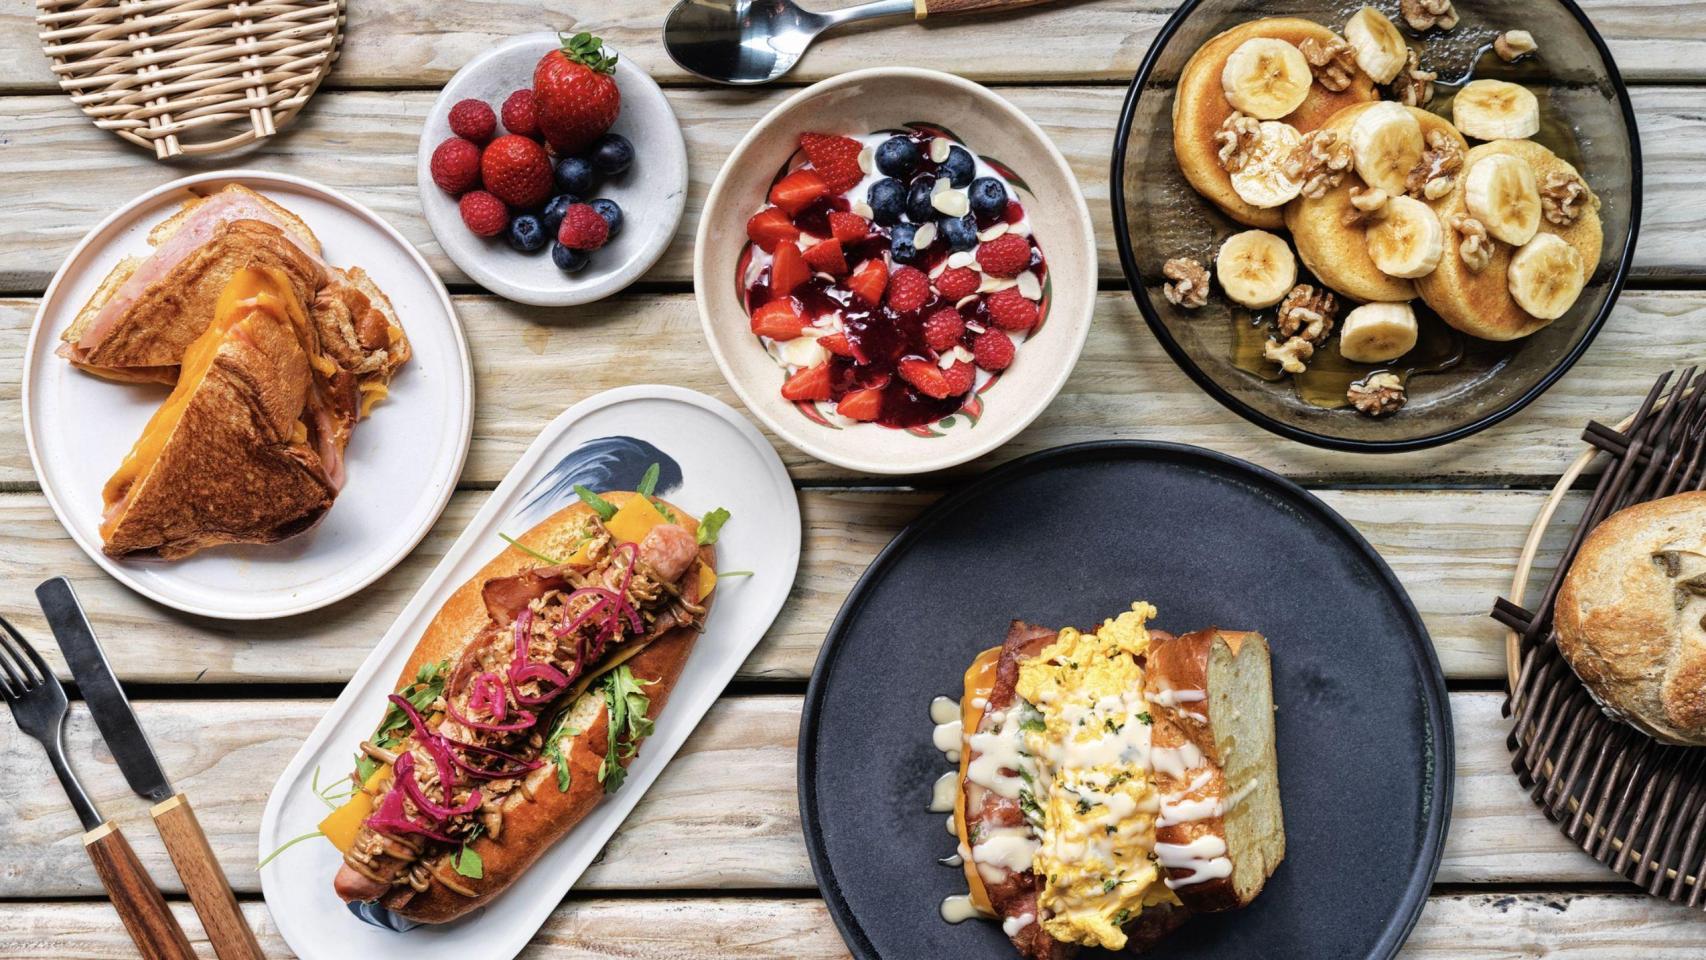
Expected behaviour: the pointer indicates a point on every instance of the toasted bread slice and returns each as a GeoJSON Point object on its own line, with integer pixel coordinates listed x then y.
{"type": "Point", "coordinates": [1221, 832]}
{"type": "Point", "coordinates": [360, 331]}
{"type": "Point", "coordinates": [281, 217]}
{"type": "Point", "coordinates": [229, 458]}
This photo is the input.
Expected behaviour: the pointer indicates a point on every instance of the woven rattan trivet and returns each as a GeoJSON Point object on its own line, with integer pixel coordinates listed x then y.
{"type": "Point", "coordinates": [1632, 803]}
{"type": "Point", "coordinates": [190, 77]}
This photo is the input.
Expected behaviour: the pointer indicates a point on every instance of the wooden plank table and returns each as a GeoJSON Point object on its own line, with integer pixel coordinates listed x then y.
{"type": "Point", "coordinates": [228, 703]}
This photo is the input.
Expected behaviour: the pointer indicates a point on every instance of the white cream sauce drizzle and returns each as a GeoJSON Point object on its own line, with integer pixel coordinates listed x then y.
{"type": "Point", "coordinates": [1002, 748]}
{"type": "Point", "coordinates": [948, 735]}
{"type": "Point", "coordinates": [1205, 857]}
{"type": "Point", "coordinates": [1012, 925]}
{"type": "Point", "coordinates": [943, 793]}
{"type": "Point", "coordinates": [958, 908]}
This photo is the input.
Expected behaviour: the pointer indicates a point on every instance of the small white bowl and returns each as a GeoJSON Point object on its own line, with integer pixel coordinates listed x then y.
{"type": "Point", "coordinates": [857, 103]}
{"type": "Point", "coordinates": [652, 193]}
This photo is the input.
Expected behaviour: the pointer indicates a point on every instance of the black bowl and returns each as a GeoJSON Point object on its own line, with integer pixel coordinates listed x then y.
{"type": "Point", "coordinates": [1158, 216]}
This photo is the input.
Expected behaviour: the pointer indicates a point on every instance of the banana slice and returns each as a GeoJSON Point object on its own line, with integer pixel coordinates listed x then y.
{"type": "Point", "coordinates": [1502, 192]}
{"type": "Point", "coordinates": [1266, 78]}
{"type": "Point", "coordinates": [1386, 144]}
{"type": "Point", "coordinates": [1262, 180]}
{"type": "Point", "coordinates": [1379, 48]}
{"type": "Point", "coordinates": [1377, 332]}
{"type": "Point", "coordinates": [1256, 268]}
{"type": "Point", "coordinates": [1546, 276]}
{"type": "Point", "coordinates": [1408, 239]}
{"type": "Point", "coordinates": [1495, 110]}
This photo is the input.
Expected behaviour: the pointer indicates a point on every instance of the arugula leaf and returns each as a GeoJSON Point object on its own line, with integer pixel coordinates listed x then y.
{"type": "Point", "coordinates": [627, 705]}
{"type": "Point", "coordinates": [710, 525]}
{"type": "Point", "coordinates": [506, 538]}
{"type": "Point", "coordinates": [365, 766]}
{"type": "Point", "coordinates": [648, 481]}
{"type": "Point", "coordinates": [553, 751]}
{"type": "Point", "coordinates": [604, 508]}
{"type": "Point", "coordinates": [668, 514]}
{"type": "Point", "coordinates": [393, 729]}
{"type": "Point", "coordinates": [467, 862]}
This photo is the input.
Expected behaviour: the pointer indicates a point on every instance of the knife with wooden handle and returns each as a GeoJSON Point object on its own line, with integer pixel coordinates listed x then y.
{"type": "Point", "coordinates": [138, 902]}
{"type": "Point", "coordinates": [191, 854]}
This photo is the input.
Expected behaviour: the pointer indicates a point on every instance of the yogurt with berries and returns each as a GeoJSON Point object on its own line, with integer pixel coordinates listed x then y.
{"type": "Point", "coordinates": [892, 276]}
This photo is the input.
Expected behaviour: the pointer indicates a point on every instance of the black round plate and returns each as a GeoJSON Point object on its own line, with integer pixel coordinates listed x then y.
{"type": "Point", "coordinates": [1071, 536]}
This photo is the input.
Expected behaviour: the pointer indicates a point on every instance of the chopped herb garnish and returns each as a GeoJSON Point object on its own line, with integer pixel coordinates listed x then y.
{"type": "Point", "coordinates": [1083, 806]}
{"type": "Point", "coordinates": [1112, 726]}
{"type": "Point", "coordinates": [1145, 719]}
{"type": "Point", "coordinates": [1121, 917]}
{"type": "Point", "coordinates": [627, 707]}
{"type": "Point", "coordinates": [524, 548]}
{"type": "Point", "coordinates": [293, 841]}
{"type": "Point", "coordinates": [1109, 884]}
{"type": "Point", "coordinates": [733, 573]}
{"type": "Point", "coordinates": [1109, 829]}
{"type": "Point", "coordinates": [710, 525]}
{"type": "Point", "coordinates": [331, 792]}
{"type": "Point", "coordinates": [604, 508]}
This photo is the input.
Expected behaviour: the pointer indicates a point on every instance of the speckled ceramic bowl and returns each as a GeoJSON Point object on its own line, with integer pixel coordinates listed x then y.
{"type": "Point", "coordinates": [891, 98]}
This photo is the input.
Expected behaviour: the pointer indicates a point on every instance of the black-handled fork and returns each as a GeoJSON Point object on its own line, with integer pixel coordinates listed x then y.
{"type": "Point", "coordinates": [40, 706]}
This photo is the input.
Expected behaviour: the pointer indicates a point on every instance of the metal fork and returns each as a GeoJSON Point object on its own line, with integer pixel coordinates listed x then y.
{"type": "Point", "coordinates": [39, 705]}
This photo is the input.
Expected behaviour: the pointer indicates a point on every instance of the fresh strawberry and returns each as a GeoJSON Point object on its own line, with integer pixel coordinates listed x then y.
{"type": "Point", "coordinates": [583, 228]}
{"type": "Point", "coordinates": [956, 283]}
{"type": "Point", "coordinates": [909, 288]}
{"type": "Point", "coordinates": [943, 329]}
{"type": "Point", "coordinates": [797, 190]}
{"type": "Point", "coordinates": [473, 120]}
{"type": "Point", "coordinates": [835, 158]}
{"type": "Point", "coordinates": [788, 270]}
{"type": "Point", "coordinates": [827, 257]}
{"type": "Point", "coordinates": [516, 171]}
{"type": "Point", "coordinates": [484, 214]}
{"type": "Point", "coordinates": [993, 350]}
{"type": "Point", "coordinates": [456, 166]}
{"type": "Point", "coordinates": [1009, 310]}
{"type": "Point", "coordinates": [575, 93]}
{"type": "Point", "coordinates": [865, 404]}
{"type": "Point", "coordinates": [848, 227]}
{"type": "Point", "coordinates": [779, 319]}
{"type": "Point", "coordinates": [771, 226]}
{"type": "Point", "coordinates": [961, 377]}
{"type": "Point", "coordinates": [869, 281]}
{"type": "Point", "coordinates": [809, 383]}
{"type": "Point", "coordinates": [925, 376]}
{"type": "Point", "coordinates": [1005, 256]}
{"type": "Point", "coordinates": [521, 114]}
{"type": "Point", "coordinates": [837, 343]}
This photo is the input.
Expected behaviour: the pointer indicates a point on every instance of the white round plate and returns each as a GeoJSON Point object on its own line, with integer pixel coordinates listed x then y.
{"type": "Point", "coordinates": [652, 193]}
{"type": "Point", "coordinates": [403, 460]}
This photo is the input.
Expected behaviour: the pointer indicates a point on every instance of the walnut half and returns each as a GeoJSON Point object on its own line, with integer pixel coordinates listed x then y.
{"type": "Point", "coordinates": [1236, 138]}
{"type": "Point", "coordinates": [1187, 283]}
{"type": "Point", "coordinates": [1368, 204]}
{"type": "Point", "coordinates": [1563, 197]}
{"type": "Point", "coordinates": [1319, 162]}
{"type": "Point", "coordinates": [1513, 45]}
{"type": "Point", "coordinates": [1436, 173]}
{"type": "Point", "coordinates": [1427, 14]}
{"type": "Point", "coordinates": [1308, 313]}
{"type": "Point", "coordinates": [1475, 249]}
{"type": "Point", "coordinates": [1414, 87]}
{"type": "Point", "coordinates": [1292, 355]}
{"type": "Point", "coordinates": [1333, 63]}
{"type": "Point", "coordinates": [1377, 395]}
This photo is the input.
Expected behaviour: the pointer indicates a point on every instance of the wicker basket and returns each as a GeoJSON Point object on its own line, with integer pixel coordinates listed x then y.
{"type": "Point", "coordinates": [1632, 803]}
{"type": "Point", "coordinates": [190, 77]}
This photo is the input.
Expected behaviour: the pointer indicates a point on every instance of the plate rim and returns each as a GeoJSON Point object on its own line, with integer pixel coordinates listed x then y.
{"type": "Point", "coordinates": [1442, 746]}
{"type": "Point", "coordinates": [249, 178]}
{"type": "Point", "coordinates": [577, 294]}
{"type": "Point", "coordinates": [1183, 359]}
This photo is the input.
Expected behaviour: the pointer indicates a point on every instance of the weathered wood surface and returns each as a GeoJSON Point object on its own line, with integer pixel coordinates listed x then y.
{"type": "Point", "coordinates": [416, 42]}
{"type": "Point", "coordinates": [1453, 549]}
{"type": "Point", "coordinates": [731, 789]}
{"type": "Point", "coordinates": [363, 143]}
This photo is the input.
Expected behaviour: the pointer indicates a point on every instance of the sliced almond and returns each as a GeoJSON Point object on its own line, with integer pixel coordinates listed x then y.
{"type": "Point", "coordinates": [1020, 229]}
{"type": "Point", "coordinates": [973, 327]}
{"type": "Point", "coordinates": [961, 258]}
{"type": "Point", "coordinates": [953, 203]}
{"type": "Point", "coordinates": [991, 284]}
{"type": "Point", "coordinates": [924, 236]}
{"type": "Point", "coordinates": [1029, 286]}
{"type": "Point", "coordinates": [938, 269]}
{"type": "Point", "coordinates": [868, 159]}
{"type": "Point", "coordinates": [862, 208]}
{"type": "Point", "coordinates": [939, 149]}
{"type": "Point", "coordinates": [993, 232]}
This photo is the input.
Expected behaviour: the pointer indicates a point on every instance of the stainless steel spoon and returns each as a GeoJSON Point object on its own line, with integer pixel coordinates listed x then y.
{"type": "Point", "coordinates": [756, 41]}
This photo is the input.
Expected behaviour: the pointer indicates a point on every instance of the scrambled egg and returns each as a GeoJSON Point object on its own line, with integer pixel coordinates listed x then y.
{"type": "Point", "coordinates": [1096, 821]}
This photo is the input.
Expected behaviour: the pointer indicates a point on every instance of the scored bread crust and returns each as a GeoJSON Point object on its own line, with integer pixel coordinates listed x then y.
{"type": "Point", "coordinates": [1626, 626]}
{"type": "Point", "coordinates": [531, 826]}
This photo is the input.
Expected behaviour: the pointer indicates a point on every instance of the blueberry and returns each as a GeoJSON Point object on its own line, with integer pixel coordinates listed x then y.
{"type": "Point", "coordinates": [958, 168]}
{"type": "Point", "coordinates": [897, 156]}
{"type": "Point", "coordinates": [988, 197]}
{"type": "Point", "coordinates": [901, 247]}
{"type": "Point", "coordinates": [611, 154]}
{"type": "Point", "coordinates": [611, 213]}
{"type": "Point", "coordinates": [887, 199]}
{"type": "Point", "coordinates": [567, 259]}
{"type": "Point", "coordinates": [552, 216]}
{"type": "Point", "coordinates": [960, 232]}
{"type": "Point", "coordinates": [526, 233]}
{"type": "Point", "coordinates": [574, 175]}
{"type": "Point", "coordinates": [918, 208]}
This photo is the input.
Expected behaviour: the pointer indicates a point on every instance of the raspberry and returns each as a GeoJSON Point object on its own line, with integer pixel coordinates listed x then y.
{"type": "Point", "coordinates": [455, 166]}
{"type": "Point", "coordinates": [473, 120]}
{"type": "Point", "coordinates": [943, 328]}
{"type": "Point", "coordinates": [484, 214]}
{"type": "Point", "coordinates": [1009, 310]}
{"type": "Point", "coordinates": [1004, 256]}
{"type": "Point", "coordinates": [516, 171]}
{"type": "Point", "coordinates": [909, 288]}
{"type": "Point", "coordinates": [993, 350]}
{"type": "Point", "coordinates": [520, 114]}
{"type": "Point", "coordinates": [955, 283]}
{"type": "Point", "coordinates": [961, 377]}
{"type": "Point", "coordinates": [583, 228]}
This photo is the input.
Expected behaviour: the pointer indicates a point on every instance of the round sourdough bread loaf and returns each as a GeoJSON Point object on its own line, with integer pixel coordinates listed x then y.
{"type": "Point", "coordinates": [1631, 617]}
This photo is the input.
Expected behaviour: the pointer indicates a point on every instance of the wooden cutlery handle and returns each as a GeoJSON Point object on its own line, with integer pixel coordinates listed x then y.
{"type": "Point", "coordinates": [928, 8]}
{"type": "Point", "coordinates": [208, 889]}
{"type": "Point", "coordinates": [135, 897]}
